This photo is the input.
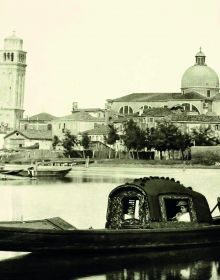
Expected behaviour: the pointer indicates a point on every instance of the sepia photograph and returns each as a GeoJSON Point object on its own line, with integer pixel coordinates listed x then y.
{"type": "Point", "coordinates": [110, 139]}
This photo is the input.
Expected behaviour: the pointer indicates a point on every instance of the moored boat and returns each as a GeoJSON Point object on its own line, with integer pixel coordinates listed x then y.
{"type": "Point", "coordinates": [38, 170]}
{"type": "Point", "coordinates": [141, 215]}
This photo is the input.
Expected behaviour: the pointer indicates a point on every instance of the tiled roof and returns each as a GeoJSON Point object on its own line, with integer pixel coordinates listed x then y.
{"type": "Point", "coordinates": [157, 112]}
{"type": "Point", "coordinates": [144, 97]}
{"type": "Point", "coordinates": [33, 134]}
{"type": "Point", "coordinates": [195, 118]}
{"type": "Point", "coordinates": [42, 117]}
{"type": "Point", "coordinates": [88, 109]}
{"type": "Point", "coordinates": [99, 130]}
{"type": "Point", "coordinates": [79, 116]}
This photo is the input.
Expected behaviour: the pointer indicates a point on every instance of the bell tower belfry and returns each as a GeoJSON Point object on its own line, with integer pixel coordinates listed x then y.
{"type": "Point", "coordinates": [12, 80]}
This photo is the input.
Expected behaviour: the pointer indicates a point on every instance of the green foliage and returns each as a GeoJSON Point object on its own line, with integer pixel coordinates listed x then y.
{"type": "Point", "coordinates": [68, 143]}
{"type": "Point", "coordinates": [134, 137]}
{"type": "Point", "coordinates": [85, 141]}
{"type": "Point", "coordinates": [167, 136]}
{"type": "Point", "coordinates": [55, 142]}
{"type": "Point", "coordinates": [112, 136]}
{"type": "Point", "coordinates": [204, 137]}
{"type": "Point", "coordinates": [205, 158]}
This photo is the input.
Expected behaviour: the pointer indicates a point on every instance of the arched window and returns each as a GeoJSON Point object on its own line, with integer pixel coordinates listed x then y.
{"type": "Point", "coordinates": [12, 56]}
{"type": "Point", "coordinates": [49, 126]}
{"type": "Point", "coordinates": [190, 108]}
{"type": "Point", "coordinates": [126, 110]}
{"type": "Point", "coordinates": [144, 107]}
{"type": "Point", "coordinates": [187, 107]}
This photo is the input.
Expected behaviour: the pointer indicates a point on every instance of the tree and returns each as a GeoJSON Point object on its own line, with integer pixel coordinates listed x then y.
{"type": "Point", "coordinates": [183, 142]}
{"type": "Point", "coordinates": [68, 143]}
{"type": "Point", "coordinates": [85, 142]}
{"type": "Point", "coordinates": [55, 142]}
{"type": "Point", "coordinates": [112, 136]}
{"type": "Point", "coordinates": [167, 136]}
{"type": "Point", "coordinates": [204, 137]}
{"type": "Point", "coordinates": [134, 138]}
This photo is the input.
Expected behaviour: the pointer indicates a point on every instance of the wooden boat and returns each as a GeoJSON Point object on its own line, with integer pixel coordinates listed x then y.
{"type": "Point", "coordinates": [45, 171]}
{"type": "Point", "coordinates": [139, 217]}
{"type": "Point", "coordinates": [5, 177]}
{"type": "Point", "coordinates": [10, 172]}
{"type": "Point", "coordinates": [38, 171]}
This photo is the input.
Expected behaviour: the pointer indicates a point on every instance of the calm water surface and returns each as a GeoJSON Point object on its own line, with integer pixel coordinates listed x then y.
{"type": "Point", "coordinates": [81, 199]}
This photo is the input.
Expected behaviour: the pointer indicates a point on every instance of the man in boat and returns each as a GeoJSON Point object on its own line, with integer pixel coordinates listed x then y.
{"type": "Point", "coordinates": [183, 215]}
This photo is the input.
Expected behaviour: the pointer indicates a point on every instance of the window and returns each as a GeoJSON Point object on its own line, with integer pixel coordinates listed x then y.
{"type": "Point", "coordinates": [12, 56]}
{"type": "Point", "coordinates": [130, 208]}
{"type": "Point", "coordinates": [176, 208]}
{"type": "Point", "coordinates": [208, 93]}
{"type": "Point", "coordinates": [126, 110]}
{"type": "Point", "coordinates": [49, 126]}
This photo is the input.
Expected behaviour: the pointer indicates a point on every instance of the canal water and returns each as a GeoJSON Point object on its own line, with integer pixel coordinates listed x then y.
{"type": "Point", "coordinates": [81, 199]}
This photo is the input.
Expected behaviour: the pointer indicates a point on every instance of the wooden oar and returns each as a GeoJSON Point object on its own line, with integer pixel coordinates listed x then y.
{"type": "Point", "coordinates": [217, 205]}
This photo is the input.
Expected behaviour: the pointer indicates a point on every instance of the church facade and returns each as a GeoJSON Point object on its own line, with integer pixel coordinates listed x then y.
{"type": "Point", "coordinates": [12, 82]}
{"type": "Point", "coordinates": [199, 94]}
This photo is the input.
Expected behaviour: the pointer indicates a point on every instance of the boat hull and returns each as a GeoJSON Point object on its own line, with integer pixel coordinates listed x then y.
{"type": "Point", "coordinates": [46, 173]}
{"type": "Point", "coordinates": [84, 241]}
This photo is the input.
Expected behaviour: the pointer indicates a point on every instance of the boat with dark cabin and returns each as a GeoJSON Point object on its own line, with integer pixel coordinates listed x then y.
{"type": "Point", "coordinates": [139, 217]}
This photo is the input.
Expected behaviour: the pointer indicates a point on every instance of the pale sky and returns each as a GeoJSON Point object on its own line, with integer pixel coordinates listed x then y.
{"type": "Point", "coordinates": [88, 51]}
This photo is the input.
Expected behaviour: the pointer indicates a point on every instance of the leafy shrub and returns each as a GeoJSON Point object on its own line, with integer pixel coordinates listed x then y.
{"type": "Point", "coordinates": [207, 158]}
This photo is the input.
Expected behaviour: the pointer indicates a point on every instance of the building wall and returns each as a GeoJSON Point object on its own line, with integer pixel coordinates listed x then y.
{"type": "Point", "coordinates": [137, 105]}
{"type": "Point", "coordinates": [75, 127]}
{"type": "Point", "coordinates": [16, 141]}
{"type": "Point", "coordinates": [216, 107]}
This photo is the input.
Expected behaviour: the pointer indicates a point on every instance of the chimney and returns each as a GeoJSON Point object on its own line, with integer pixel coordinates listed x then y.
{"type": "Point", "coordinates": [75, 106]}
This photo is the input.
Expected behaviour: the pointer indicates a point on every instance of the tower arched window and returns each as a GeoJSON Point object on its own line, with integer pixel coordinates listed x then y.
{"type": "Point", "coordinates": [4, 56]}
{"type": "Point", "coordinates": [12, 56]}
{"type": "Point", "coordinates": [126, 110]}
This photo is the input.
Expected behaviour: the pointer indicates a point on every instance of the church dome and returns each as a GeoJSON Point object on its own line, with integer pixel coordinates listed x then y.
{"type": "Point", "coordinates": [200, 75]}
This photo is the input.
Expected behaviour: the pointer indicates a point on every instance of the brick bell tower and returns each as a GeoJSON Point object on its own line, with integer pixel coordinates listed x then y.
{"type": "Point", "coordinates": [12, 81]}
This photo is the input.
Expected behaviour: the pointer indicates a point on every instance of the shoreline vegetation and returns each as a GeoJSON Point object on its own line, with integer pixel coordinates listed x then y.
{"type": "Point", "coordinates": [150, 163]}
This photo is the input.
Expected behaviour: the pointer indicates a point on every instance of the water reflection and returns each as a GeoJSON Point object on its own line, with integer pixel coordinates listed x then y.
{"type": "Point", "coordinates": [201, 264]}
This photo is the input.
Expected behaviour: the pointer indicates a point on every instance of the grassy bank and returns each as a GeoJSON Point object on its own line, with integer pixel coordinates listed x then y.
{"type": "Point", "coordinates": [150, 163]}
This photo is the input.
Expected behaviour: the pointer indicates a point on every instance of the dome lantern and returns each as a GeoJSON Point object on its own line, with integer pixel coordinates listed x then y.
{"type": "Point", "coordinates": [200, 57]}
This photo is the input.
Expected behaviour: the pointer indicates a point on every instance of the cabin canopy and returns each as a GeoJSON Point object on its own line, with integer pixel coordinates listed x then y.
{"type": "Point", "coordinates": [153, 199]}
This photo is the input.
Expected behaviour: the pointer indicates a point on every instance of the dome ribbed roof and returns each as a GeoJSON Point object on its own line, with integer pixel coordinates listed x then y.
{"type": "Point", "coordinates": [200, 53]}
{"type": "Point", "coordinates": [200, 76]}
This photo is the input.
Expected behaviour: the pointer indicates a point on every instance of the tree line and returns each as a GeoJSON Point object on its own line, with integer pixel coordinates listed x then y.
{"type": "Point", "coordinates": [164, 137]}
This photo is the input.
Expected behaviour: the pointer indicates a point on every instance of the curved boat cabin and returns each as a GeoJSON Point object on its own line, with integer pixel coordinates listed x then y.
{"type": "Point", "coordinates": [153, 202]}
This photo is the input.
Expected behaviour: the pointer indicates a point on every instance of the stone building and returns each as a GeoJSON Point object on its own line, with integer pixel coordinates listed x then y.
{"type": "Point", "coordinates": [41, 121]}
{"type": "Point", "coordinates": [12, 81]}
{"type": "Point", "coordinates": [199, 94]}
{"type": "Point", "coordinates": [76, 123]}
